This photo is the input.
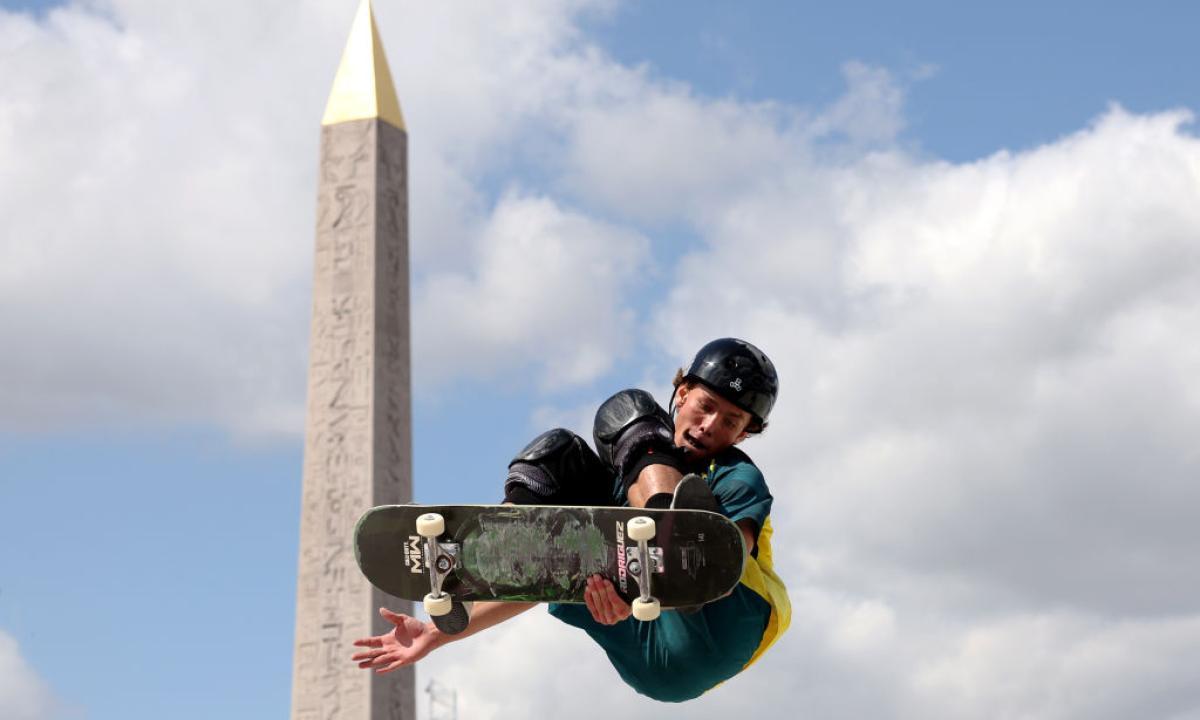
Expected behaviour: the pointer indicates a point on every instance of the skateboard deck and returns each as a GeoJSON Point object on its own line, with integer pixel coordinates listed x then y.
{"type": "Point", "coordinates": [543, 553]}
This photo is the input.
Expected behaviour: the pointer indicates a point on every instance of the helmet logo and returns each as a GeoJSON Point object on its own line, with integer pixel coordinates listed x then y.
{"type": "Point", "coordinates": [736, 384]}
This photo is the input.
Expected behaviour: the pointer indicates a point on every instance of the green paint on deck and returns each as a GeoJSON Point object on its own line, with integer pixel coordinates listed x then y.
{"type": "Point", "coordinates": [526, 554]}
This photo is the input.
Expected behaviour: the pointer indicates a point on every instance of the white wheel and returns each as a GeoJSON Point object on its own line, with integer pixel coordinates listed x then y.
{"type": "Point", "coordinates": [640, 528]}
{"type": "Point", "coordinates": [646, 610]}
{"type": "Point", "coordinates": [438, 606]}
{"type": "Point", "coordinates": [431, 525]}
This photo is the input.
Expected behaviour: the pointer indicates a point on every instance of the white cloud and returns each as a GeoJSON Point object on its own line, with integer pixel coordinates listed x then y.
{"type": "Point", "coordinates": [23, 695]}
{"type": "Point", "coordinates": [159, 161]}
{"type": "Point", "coordinates": [547, 289]}
{"type": "Point", "coordinates": [655, 150]}
{"type": "Point", "coordinates": [156, 275]}
{"type": "Point", "coordinates": [1066, 666]}
{"type": "Point", "coordinates": [158, 164]}
{"type": "Point", "coordinates": [659, 152]}
{"type": "Point", "coordinates": [535, 666]}
{"type": "Point", "coordinates": [871, 113]}
{"type": "Point", "coordinates": [986, 425]}
{"type": "Point", "coordinates": [515, 670]}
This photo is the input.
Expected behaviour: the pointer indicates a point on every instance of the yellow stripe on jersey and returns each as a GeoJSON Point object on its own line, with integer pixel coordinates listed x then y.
{"type": "Point", "coordinates": [759, 575]}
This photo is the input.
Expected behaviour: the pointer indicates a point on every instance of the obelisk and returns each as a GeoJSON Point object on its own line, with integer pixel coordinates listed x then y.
{"type": "Point", "coordinates": [358, 435]}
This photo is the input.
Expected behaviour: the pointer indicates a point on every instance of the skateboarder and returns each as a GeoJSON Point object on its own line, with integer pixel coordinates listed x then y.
{"type": "Point", "coordinates": [642, 454]}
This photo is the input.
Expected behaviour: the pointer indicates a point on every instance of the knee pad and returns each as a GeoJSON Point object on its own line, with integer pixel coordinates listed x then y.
{"type": "Point", "coordinates": [628, 425]}
{"type": "Point", "coordinates": [528, 472]}
{"type": "Point", "coordinates": [546, 445]}
{"type": "Point", "coordinates": [558, 468]}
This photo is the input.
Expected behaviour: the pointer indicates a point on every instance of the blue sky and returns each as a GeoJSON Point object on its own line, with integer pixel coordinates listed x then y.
{"type": "Point", "coordinates": [841, 160]}
{"type": "Point", "coordinates": [1008, 75]}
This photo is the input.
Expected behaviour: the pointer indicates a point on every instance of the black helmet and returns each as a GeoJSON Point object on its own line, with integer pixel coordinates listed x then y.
{"type": "Point", "coordinates": [740, 373]}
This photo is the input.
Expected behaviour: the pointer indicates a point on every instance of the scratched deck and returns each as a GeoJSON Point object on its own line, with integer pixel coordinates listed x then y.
{"type": "Point", "coordinates": [546, 553]}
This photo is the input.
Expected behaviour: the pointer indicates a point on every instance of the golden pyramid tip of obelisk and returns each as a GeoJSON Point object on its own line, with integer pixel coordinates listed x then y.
{"type": "Point", "coordinates": [363, 86]}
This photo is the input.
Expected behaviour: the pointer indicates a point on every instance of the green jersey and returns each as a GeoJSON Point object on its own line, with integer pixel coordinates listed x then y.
{"type": "Point", "coordinates": [682, 655]}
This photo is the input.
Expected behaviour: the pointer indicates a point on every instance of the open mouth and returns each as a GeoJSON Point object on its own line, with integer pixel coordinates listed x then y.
{"type": "Point", "coordinates": [691, 443]}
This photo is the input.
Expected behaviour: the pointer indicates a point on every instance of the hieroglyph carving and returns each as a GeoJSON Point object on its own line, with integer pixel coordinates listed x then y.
{"type": "Point", "coordinates": [358, 436]}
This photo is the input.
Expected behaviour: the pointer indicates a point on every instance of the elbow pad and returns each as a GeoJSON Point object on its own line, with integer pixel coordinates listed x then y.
{"type": "Point", "coordinates": [632, 431]}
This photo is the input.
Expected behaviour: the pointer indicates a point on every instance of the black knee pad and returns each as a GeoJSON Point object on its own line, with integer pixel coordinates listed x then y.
{"type": "Point", "coordinates": [558, 468]}
{"type": "Point", "coordinates": [632, 431]}
{"type": "Point", "coordinates": [527, 477]}
{"type": "Point", "coordinates": [546, 445]}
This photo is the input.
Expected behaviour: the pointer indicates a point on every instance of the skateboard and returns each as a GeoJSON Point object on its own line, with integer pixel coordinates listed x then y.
{"type": "Point", "coordinates": [449, 555]}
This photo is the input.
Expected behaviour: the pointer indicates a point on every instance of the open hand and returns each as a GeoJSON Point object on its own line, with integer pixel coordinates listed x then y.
{"type": "Point", "coordinates": [407, 643]}
{"type": "Point", "coordinates": [604, 603]}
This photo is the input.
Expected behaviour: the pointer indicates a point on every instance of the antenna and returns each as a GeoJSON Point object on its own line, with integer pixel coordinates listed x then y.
{"type": "Point", "coordinates": [443, 701]}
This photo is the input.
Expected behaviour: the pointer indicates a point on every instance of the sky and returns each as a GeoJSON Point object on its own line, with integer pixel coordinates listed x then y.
{"type": "Point", "coordinates": [968, 237]}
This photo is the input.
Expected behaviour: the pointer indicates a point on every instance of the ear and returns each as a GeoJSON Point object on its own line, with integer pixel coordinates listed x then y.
{"type": "Point", "coordinates": [741, 437]}
{"type": "Point", "coordinates": [680, 393]}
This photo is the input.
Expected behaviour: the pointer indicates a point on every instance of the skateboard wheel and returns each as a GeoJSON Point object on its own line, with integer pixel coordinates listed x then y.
{"type": "Point", "coordinates": [641, 528]}
{"type": "Point", "coordinates": [437, 606]}
{"type": "Point", "coordinates": [455, 621]}
{"type": "Point", "coordinates": [646, 610]}
{"type": "Point", "coordinates": [431, 525]}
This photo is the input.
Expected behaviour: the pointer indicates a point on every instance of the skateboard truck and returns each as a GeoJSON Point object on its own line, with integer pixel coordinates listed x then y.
{"type": "Point", "coordinates": [633, 556]}
{"type": "Point", "coordinates": [642, 529]}
{"type": "Point", "coordinates": [449, 615]}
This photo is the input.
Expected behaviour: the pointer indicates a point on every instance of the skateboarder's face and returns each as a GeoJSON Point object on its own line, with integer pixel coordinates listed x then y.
{"type": "Point", "coordinates": [707, 423]}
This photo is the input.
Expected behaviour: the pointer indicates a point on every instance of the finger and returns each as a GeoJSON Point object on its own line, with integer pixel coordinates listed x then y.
{"type": "Point", "coordinates": [368, 642]}
{"type": "Point", "coordinates": [608, 601]}
{"type": "Point", "coordinates": [589, 599]}
{"type": "Point", "coordinates": [366, 655]}
{"type": "Point", "coordinates": [596, 605]}
{"type": "Point", "coordinates": [394, 666]}
{"type": "Point", "coordinates": [393, 618]}
{"type": "Point", "coordinates": [600, 586]}
{"type": "Point", "coordinates": [605, 601]}
{"type": "Point", "coordinates": [618, 608]}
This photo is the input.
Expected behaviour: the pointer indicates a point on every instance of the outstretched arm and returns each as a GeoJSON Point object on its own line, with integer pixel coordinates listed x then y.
{"type": "Point", "coordinates": [410, 639]}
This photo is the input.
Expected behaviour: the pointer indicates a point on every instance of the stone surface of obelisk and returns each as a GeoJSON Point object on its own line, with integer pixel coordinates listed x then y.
{"type": "Point", "coordinates": [358, 432]}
